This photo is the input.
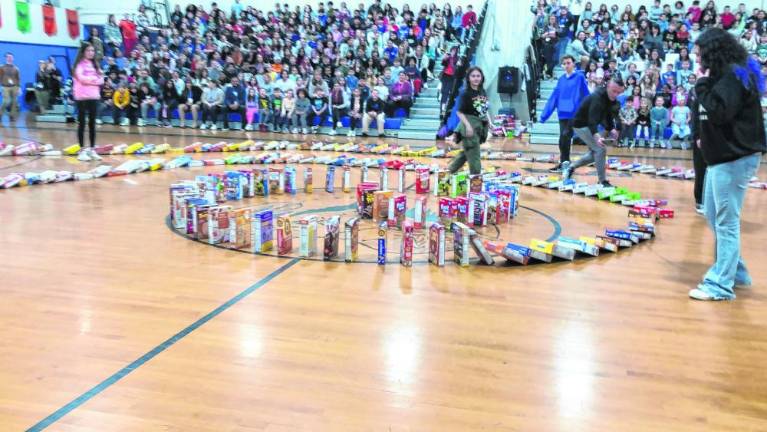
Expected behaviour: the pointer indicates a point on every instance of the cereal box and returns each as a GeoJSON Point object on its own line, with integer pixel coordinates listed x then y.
{"type": "Point", "coordinates": [406, 249]}
{"type": "Point", "coordinates": [284, 234]}
{"type": "Point", "coordinates": [437, 244]}
{"type": "Point", "coordinates": [332, 234]}
{"type": "Point", "coordinates": [351, 249]}
{"type": "Point", "coordinates": [397, 210]}
{"type": "Point", "coordinates": [262, 231]}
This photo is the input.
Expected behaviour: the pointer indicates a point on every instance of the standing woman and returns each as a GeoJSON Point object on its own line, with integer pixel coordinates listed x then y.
{"type": "Point", "coordinates": [473, 110]}
{"type": "Point", "coordinates": [732, 140]}
{"type": "Point", "coordinates": [86, 88]}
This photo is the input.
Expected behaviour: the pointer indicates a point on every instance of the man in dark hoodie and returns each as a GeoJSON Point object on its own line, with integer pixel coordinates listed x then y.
{"type": "Point", "coordinates": [570, 91]}
{"type": "Point", "coordinates": [598, 109]}
{"type": "Point", "coordinates": [732, 140]}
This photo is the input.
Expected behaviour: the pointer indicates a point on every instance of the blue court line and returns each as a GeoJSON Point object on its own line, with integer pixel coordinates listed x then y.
{"type": "Point", "coordinates": [557, 226]}
{"type": "Point", "coordinates": [103, 385]}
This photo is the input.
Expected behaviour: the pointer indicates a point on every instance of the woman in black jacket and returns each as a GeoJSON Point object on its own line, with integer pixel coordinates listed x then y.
{"type": "Point", "coordinates": [732, 140]}
{"type": "Point", "coordinates": [170, 98]}
{"type": "Point", "coordinates": [189, 100]}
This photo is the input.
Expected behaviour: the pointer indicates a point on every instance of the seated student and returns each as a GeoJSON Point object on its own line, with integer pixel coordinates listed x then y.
{"type": "Point", "coordinates": [276, 107]}
{"type": "Point", "coordinates": [414, 75]}
{"type": "Point", "coordinates": [401, 96]}
{"type": "Point", "coordinates": [288, 108]}
{"type": "Point", "coordinates": [356, 108]}
{"type": "Point", "coordinates": [234, 102]}
{"type": "Point", "coordinates": [264, 110]}
{"type": "Point", "coordinates": [251, 107]}
{"type": "Point", "coordinates": [303, 106]}
{"type": "Point", "coordinates": [169, 103]}
{"type": "Point", "coordinates": [189, 100]}
{"type": "Point", "coordinates": [148, 99]}
{"type": "Point", "coordinates": [121, 102]}
{"type": "Point", "coordinates": [107, 99]}
{"type": "Point", "coordinates": [319, 109]}
{"type": "Point", "coordinates": [339, 102]}
{"type": "Point", "coordinates": [212, 102]}
{"type": "Point", "coordinates": [374, 110]}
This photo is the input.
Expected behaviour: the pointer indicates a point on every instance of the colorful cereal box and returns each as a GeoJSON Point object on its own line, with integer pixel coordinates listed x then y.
{"type": "Point", "coordinates": [437, 244]}
{"type": "Point", "coordinates": [291, 183]}
{"type": "Point", "coordinates": [308, 181]}
{"type": "Point", "coordinates": [332, 235]}
{"type": "Point", "coordinates": [262, 231]}
{"type": "Point", "coordinates": [351, 249]}
{"type": "Point", "coordinates": [381, 205]}
{"type": "Point", "coordinates": [406, 249]}
{"type": "Point", "coordinates": [240, 228]}
{"type": "Point", "coordinates": [284, 234]}
{"type": "Point", "coordinates": [346, 181]}
{"type": "Point", "coordinates": [382, 234]}
{"type": "Point", "coordinates": [397, 210]}
{"type": "Point", "coordinates": [330, 180]}
{"type": "Point", "coordinates": [442, 183]}
{"type": "Point", "coordinates": [218, 224]}
{"type": "Point", "coordinates": [401, 179]}
{"type": "Point", "coordinates": [462, 209]}
{"type": "Point", "coordinates": [422, 180]}
{"type": "Point", "coordinates": [461, 239]}
{"type": "Point", "coordinates": [446, 211]}
{"type": "Point", "coordinates": [459, 185]}
{"type": "Point", "coordinates": [308, 236]}
{"type": "Point", "coordinates": [419, 212]}
{"type": "Point", "coordinates": [477, 213]}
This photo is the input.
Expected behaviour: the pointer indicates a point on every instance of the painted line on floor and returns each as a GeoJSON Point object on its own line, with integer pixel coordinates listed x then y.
{"type": "Point", "coordinates": [103, 385]}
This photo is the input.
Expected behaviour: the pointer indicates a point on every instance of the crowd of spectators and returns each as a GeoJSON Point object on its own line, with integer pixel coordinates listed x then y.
{"type": "Point", "coordinates": [281, 70]}
{"type": "Point", "coordinates": [650, 47]}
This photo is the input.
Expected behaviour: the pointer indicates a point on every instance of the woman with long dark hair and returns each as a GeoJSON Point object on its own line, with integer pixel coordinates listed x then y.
{"type": "Point", "coordinates": [86, 89]}
{"type": "Point", "coordinates": [732, 140]}
{"type": "Point", "coordinates": [474, 112]}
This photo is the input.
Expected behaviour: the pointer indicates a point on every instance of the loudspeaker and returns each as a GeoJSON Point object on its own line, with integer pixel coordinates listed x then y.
{"type": "Point", "coordinates": [508, 80]}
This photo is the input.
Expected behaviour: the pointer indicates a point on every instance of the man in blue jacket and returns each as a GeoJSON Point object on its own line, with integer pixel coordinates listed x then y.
{"type": "Point", "coordinates": [234, 101]}
{"type": "Point", "coordinates": [570, 91]}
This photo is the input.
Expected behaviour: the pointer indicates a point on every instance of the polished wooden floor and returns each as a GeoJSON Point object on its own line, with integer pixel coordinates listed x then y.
{"type": "Point", "coordinates": [91, 280]}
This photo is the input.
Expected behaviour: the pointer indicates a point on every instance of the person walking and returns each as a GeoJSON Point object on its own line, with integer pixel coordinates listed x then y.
{"type": "Point", "coordinates": [570, 91]}
{"type": "Point", "coordinates": [86, 90]}
{"type": "Point", "coordinates": [732, 141]}
{"type": "Point", "coordinates": [473, 110]}
{"type": "Point", "coordinates": [9, 79]}
{"type": "Point", "coordinates": [599, 108]}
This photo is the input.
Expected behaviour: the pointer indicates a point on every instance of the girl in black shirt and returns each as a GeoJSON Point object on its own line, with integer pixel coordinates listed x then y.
{"type": "Point", "coordinates": [473, 111]}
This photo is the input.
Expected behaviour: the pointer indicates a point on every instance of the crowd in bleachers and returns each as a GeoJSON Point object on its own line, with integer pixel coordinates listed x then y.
{"type": "Point", "coordinates": [650, 47]}
{"type": "Point", "coordinates": [278, 70]}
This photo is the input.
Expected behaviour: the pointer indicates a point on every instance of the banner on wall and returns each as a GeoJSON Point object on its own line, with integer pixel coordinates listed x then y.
{"type": "Point", "coordinates": [49, 20]}
{"type": "Point", "coordinates": [23, 22]}
{"type": "Point", "coordinates": [73, 23]}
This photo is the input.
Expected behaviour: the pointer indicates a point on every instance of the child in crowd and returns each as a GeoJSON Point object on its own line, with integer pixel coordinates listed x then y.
{"type": "Point", "coordinates": [251, 107]}
{"type": "Point", "coordinates": [264, 110]}
{"type": "Point", "coordinates": [319, 109]}
{"type": "Point", "coordinates": [659, 116]}
{"type": "Point", "coordinates": [301, 112]}
{"type": "Point", "coordinates": [680, 124]}
{"type": "Point", "coordinates": [643, 121]}
{"type": "Point", "coordinates": [288, 108]}
{"type": "Point", "coordinates": [276, 108]}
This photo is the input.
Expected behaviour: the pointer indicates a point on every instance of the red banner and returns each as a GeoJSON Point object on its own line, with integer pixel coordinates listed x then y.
{"type": "Point", "coordinates": [49, 20]}
{"type": "Point", "coordinates": [73, 23]}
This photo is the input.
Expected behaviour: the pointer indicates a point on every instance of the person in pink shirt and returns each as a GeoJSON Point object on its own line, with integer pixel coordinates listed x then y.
{"type": "Point", "coordinates": [87, 80]}
{"type": "Point", "coordinates": [469, 19]}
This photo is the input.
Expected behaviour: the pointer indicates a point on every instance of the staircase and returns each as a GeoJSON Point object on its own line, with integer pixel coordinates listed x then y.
{"type": "Point", "coordinates": [424, 121]}
{"type": "Point", "coordinates": [57, 114]}
{"type": "Point", "coordinates": [546, 133]}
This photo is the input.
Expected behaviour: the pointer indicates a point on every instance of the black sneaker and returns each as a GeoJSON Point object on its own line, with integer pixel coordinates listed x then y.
{"type": "Point", "coordinates": [606, 184]}
{"type": "Point", "coordinates": [364, 134]}
{"type": "Point", "coordinates": [556, 168]}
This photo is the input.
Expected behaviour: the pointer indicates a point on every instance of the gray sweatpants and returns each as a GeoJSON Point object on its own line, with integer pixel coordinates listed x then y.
{"type": "Point", "coordinates": [595, 154]}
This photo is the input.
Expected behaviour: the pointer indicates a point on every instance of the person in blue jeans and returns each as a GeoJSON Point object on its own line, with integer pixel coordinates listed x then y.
{"type": "Point", "coordinates": [732, 140]}
{"type": "Point", "coordinates": [570, 91]}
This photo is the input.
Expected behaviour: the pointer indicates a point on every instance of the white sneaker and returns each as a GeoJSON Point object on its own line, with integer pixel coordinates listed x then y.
{"type": "Point", "coordinates": [203, 126]}
{"type": "Point", "coordinates": [699, 294]}
{"type": "Point", "coordinates": [94, 156]}
{"type": "Point", "coordinates": [99, 121]}
{"type": "Point", "coordinates": [125, 122]}
{"type": "Point", "coordinates": [339, 124]}
{"type": "Point", "coordinates": [84, 156]}
{"type": "Point", "coordinates": [350, 133]}
{"type": "Point", "coordinates": [332, 132]}
{"type": "Point", "coordinates": [249, 127]}
{"type": "Point", "coordinates": [141, 122]}
{"type": "Point", "coordinates": [305, 131]}
{"type": "Point", "coordinates": [294, 131]}
{"type": "Point", "coordinates": [213, 126]}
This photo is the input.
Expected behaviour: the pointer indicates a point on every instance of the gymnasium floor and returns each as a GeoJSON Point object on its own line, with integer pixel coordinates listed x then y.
{"type": "Point", "coordinates": [109, 321]}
